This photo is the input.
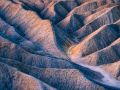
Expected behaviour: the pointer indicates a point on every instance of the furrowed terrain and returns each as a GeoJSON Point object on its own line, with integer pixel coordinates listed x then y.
{"type": "Point", "coordinates": [59, 44]}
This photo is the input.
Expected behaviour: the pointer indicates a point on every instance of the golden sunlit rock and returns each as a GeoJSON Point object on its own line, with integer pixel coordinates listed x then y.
{"type": "Point", "coordinates": [59, 44]}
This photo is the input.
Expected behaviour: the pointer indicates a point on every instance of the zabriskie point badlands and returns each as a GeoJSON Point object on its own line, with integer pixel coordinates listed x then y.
{"type": "Point", "coordinates": [59, 44]}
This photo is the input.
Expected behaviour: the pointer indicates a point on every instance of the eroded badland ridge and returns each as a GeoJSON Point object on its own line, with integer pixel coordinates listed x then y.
{"type": "Point", "coordinates": [59, 44]}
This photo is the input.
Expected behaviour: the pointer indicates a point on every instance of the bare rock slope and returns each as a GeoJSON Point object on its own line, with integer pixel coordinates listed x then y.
{"type": "Point", "coordinates": [59, 44]}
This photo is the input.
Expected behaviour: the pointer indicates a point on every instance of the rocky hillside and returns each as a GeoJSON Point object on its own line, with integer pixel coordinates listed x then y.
{"type": "Point", "coordinates": [59, 44]}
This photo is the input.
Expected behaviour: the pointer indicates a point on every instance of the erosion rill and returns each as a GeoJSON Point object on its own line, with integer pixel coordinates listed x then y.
{"type": "Point", "coordinates": [59, 44]}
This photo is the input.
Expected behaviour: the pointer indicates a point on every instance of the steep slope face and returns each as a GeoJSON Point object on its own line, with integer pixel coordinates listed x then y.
{"type": "Point", "coordinates": [30, 26]}
{"type": "Point", "coordinates": [12, 79]}
{"type": "Point", "coordinates": [59, 44]}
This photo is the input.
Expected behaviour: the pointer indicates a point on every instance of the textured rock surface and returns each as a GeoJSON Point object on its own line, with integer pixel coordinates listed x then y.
{"type": "Point", "coordinates": [59, 44]}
